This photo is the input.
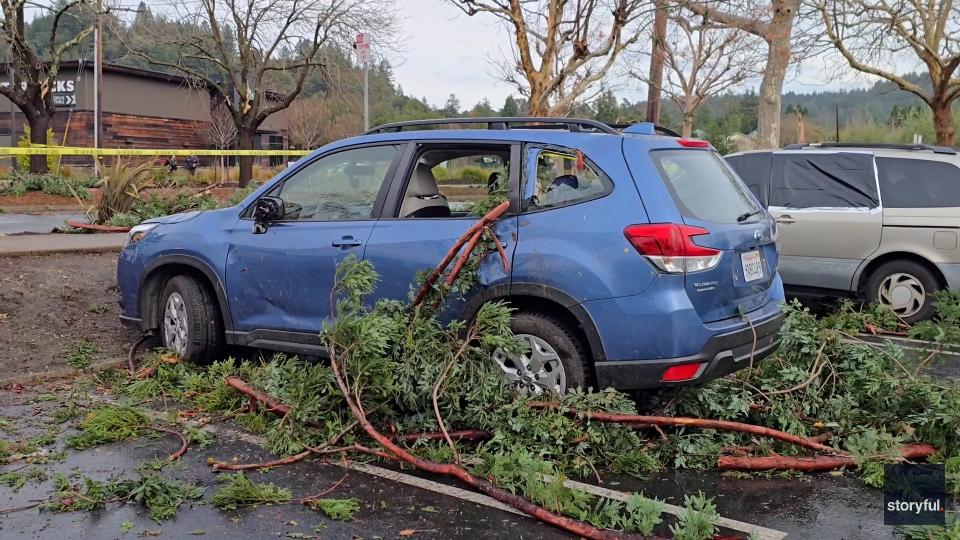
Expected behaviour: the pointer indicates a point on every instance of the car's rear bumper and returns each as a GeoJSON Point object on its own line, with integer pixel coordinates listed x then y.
{"type": "Point", "coordinates": [722, 354]}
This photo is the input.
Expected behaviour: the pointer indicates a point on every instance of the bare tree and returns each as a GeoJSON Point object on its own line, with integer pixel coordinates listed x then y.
{"type": "Point", "coordinates": [772, 21]}
{"type": "Point", "coordinates": [702, 60]}
{"type": "Point", "coordinates": [34, 72]}
{"type": "Point", "coordinates": [221, 132]}
{"type": "Point", "coordinates": [875, 36]}
{"type": "Point", "coordinates": [561, 47]}
{"type": "Point", "coordinates": [254, 55]}
{"type": "Point", "coordinates": [307, 123]}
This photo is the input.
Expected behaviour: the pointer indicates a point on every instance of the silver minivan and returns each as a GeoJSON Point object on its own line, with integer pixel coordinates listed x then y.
{"type": "Point", "coordinates": [880, 222]}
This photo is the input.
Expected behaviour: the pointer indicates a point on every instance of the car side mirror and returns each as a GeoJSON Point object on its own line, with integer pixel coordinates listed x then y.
{"type": "Point", "coordinates": [266, 210]}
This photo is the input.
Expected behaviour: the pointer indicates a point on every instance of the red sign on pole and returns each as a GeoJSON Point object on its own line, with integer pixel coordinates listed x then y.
{"type": "Point", "coordinates": [362, 45]}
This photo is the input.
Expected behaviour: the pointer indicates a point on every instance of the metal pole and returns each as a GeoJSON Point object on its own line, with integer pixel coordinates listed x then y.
{"type": "Point", "coordinates": [366, 95]}
{"type": "Point", "coordinates": [98, 81]}
{"type": "Point", "coordinates": [837, 118]}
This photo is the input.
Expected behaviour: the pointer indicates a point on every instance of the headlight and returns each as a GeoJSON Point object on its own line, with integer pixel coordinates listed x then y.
{"type": "Point", "coordinates": [138, 232]}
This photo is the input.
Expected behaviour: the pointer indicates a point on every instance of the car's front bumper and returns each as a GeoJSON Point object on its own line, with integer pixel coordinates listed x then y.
{"type": "Point", "coordinates": [722, 354]}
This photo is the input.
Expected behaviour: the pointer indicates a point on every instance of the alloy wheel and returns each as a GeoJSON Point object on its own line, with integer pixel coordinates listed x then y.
{"type": "Point", "coordinates": [535, 370]}
{"type": "Point", "coordinates": [175, 325]}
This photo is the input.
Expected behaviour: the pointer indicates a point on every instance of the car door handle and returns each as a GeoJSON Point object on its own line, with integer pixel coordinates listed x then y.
{"type": "Point", "coordinates": [346, 241]}
{"type": "Point", "coordinates": [786, 219]}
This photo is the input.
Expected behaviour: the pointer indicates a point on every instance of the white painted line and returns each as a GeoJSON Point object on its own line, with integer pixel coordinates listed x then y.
{"type": "Point", "coordinates": [758, 532]}
{"type": "Point", "coordinates": [755, 531]}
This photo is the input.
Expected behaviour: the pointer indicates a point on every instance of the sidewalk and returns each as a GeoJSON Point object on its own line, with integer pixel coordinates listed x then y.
{"type": "Point", "coordinates": [44, 244]}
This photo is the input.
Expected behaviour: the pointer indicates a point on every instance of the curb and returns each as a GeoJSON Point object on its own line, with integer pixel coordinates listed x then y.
{"type": "Point", "coordinates": [60, 251]}
{"type": "Point", "coordinates": [62, 373]}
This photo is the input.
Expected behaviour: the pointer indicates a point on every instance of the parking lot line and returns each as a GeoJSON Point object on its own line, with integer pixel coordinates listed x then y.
{"type": "Point", "coordinates": [756, 531]}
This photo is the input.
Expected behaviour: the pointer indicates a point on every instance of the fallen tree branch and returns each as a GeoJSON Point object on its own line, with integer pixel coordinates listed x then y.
{"type": "Point", "coordinates": [183, 440]}
{"type": "Point", "coordinates": [810, 463]}
{"type": "Point", "coordinates": [486, 220]}
{"type": "Point", "coordinates": [723, 425]}
{"type": "Point", "coordinates": [459, 435]}
{"type": "Point", "coordinates": [572, 525]}
{"type": "Point", "coordinates": [271, 404]}
{"type": "Point", "coordinates": [225, 466]}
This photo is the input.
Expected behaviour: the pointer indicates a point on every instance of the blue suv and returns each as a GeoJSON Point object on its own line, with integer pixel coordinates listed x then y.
{"type": "Point", "coordinates": [638, 260]}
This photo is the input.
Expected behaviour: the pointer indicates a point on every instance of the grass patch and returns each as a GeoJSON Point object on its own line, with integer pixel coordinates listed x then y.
{"type": "Point", "coordinates": [161, 496]}
{"type": "Point", "coordinates": [82, 354]}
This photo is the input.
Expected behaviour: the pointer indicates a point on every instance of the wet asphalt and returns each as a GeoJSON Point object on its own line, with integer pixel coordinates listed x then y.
{"type": "Point", "coordinates": [11, 223]}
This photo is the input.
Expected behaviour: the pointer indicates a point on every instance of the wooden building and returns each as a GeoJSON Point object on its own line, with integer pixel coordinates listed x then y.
{"type": "Point", "coordinates": [141, 109]}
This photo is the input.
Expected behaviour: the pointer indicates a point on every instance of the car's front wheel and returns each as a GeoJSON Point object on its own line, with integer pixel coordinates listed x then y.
{"type": "Point", "coordinates": [905, 288]}
{"type": "Point", "coordinates": [189, 321]}
{"type": "Point", "coordinates": [552, 359]}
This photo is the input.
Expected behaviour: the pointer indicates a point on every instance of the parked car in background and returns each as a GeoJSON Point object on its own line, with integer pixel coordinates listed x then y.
{"type": "Point", "coordinates": [637, 260]}
{"type": "Point", "coordinates": [880, 222]}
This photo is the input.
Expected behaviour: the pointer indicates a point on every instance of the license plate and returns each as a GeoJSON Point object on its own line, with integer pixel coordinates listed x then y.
{"type": "Point", "coordinates": [752, 265]}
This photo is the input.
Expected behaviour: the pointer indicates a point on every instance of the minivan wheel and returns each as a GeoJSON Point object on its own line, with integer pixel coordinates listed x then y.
{"type": "Point", "coordinates": [904, 287]}
{"type": "Point", "coordinates": [189, 321]}
{"type": "Point", "coordinates": [553, 359]}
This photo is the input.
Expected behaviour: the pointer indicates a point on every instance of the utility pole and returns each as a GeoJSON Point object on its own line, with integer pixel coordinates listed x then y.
{"type": "Point", "coordinates": [655, 82]}
{"type": "Point", "coordinates": [13, 124]}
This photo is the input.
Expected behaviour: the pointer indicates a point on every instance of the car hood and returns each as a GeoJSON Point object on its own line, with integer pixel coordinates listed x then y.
{"type": "Point", "coordinates": [175, 218]}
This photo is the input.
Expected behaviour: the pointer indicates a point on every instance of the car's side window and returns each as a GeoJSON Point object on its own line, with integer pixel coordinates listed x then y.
{"type": "Point", "coordinates": [918, 183]}
{"type": "Point", "coordinates": [447, 181]}
{"type": "Point", "coordinates": [824, 180]}
{"type": "Point", "coordinates": [559, 178]}
{"type": "Point", "coordinates": [338, 187]}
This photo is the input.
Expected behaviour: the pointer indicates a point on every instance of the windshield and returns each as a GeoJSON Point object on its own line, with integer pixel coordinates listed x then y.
{"type": "Point", "coordinates": [704, 188]}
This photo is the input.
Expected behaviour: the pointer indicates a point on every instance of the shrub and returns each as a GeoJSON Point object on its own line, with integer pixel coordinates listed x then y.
{"type": "Point", "coordinates": [51, 184]}
{"type": "Point", "coordinates": [120, 188]}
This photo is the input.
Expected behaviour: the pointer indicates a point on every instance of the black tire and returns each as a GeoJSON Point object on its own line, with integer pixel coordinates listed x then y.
{"type": "Point", "coordinates": [204, 328]}
{"type": "Point", "coordinates": [919, 272]}
{"type": "Point", "coordinates": [565, 342]}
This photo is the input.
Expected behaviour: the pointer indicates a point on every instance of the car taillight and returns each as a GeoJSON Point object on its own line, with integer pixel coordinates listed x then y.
{"type": "Point", "coordinates": [693, 143]}
{"type": "Point", "coordinates": [681, 372]}
{"type": "Point", "coordinates": [670, 247]}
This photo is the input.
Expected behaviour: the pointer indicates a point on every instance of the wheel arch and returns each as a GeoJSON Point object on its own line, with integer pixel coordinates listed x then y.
{"type": "Point", "coordinates": [870, 267]}
{"type": "Point", "coordinates": [549, 301]}
{"type": "Point", "coordinates": [164, 268]}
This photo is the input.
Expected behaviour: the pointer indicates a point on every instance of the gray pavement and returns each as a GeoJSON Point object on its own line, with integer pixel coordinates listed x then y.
{"type": "Point", "coordinates": [41, 244]}
{"type": "Point", "coordinates": [33, 223]}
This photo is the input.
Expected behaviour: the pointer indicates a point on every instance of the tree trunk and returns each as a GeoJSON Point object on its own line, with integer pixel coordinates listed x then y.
{"type": "Point", "coordinates": [687, 129]}
{"type": "Point", "coordinates": [943, 122]}
{"type": "Point", "coordinates": [245, 142]}
{"type": "Point", "coordinates": [38, 136]}
{"type": "Point", "coordinates": [778, 61]}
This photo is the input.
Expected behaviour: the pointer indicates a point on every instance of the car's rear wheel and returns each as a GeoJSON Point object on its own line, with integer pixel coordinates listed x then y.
{"type": "Point", "coordinates": [553, 360]}
{"type": "Point", "coordinates": [190, 323]}
{"type": "Point", "coordinates": [904, 287]}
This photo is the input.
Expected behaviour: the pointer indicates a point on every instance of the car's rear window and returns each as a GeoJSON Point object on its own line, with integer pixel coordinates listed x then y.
{"type": "Point", "coordinates": [703, 187]}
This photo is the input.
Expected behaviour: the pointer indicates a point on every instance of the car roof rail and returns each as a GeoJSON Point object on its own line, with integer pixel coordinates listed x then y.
{"type": "Point", "coordinates": [579, 125]}
{"type": "Point", "coordinates": [884, 146]}
{"type": "Point", "coordinates": [644, 128]}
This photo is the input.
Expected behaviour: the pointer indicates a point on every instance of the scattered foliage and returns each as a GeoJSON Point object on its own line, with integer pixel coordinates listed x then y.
{"type": "Point", "coordinates": [340, 509]}
{"type": "Point", "coordinates": [107, 424]}
{"type": "Point", "coordinates": [238, 491]}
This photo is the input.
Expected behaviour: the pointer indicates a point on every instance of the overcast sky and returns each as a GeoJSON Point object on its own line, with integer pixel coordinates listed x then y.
{"type": "Point", "coordinates": [444, 51]}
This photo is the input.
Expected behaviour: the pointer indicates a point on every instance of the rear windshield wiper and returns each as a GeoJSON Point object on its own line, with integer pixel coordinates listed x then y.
{"type": "Point", "coordinates": [743, 217]}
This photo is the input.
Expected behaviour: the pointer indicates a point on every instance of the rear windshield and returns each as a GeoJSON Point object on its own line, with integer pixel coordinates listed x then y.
{"type": "Point", "coordinates": [704, 188]}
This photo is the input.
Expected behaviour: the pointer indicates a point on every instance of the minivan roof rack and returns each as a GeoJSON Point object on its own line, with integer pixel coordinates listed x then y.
{"type": "Point", "coordinates": [502, 122]}
{"type": "Point", "coordinates": [886, 146]}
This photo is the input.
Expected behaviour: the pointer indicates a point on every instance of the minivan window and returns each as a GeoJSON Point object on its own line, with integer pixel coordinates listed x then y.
{"type": "Point", "coordinates": [754, 169]}
{"type": "Point", "coordinates": [918, 183]}
{"type": "Point", "coordinates": [704, 187]}
{"type": "Point", "coordinates": [827, 180]}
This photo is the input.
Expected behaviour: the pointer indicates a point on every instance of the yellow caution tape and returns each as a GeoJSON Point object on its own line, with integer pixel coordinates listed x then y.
{"type": "Point", "coordinates": [43, 150]}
